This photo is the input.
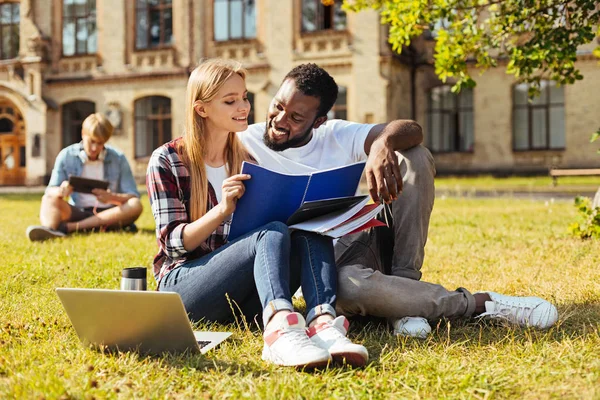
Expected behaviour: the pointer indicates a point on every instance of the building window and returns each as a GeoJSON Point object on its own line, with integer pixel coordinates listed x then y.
{"type": "Point", "coordinates": [152, 124]}
{"type": "Point", "coordinates": [317, 17]}
{"type": "Point", "coordinates": [340, 108]}
{"type": "Point", "coordinates": [234, 19]}
{"type": "Point", "coordinates": [154, 23]}
{"type": "Point", "coordinates": [450, 120]}
{"type": "Point", "coordinates": [79, 27]}
{"type": "Point", "coordinates": [251, 113]}
{"type": "Point", "coordinates": [9, 30]}
{"type": "Point", "coordinates": [73, 115]}
{"type": "Point", "coordinates": [539, 124]}
{"type": "Point", "coordinates": [6, 126]}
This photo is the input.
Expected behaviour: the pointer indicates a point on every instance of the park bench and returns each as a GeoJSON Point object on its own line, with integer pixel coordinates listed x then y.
{"type": "Point", "coordinates": [556, 172]}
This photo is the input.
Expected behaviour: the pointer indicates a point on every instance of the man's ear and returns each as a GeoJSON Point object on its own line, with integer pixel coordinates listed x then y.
{"type": "Point", "coordinates": [319, 121]}
{"type": "Point", "coordinates": [200, 108]}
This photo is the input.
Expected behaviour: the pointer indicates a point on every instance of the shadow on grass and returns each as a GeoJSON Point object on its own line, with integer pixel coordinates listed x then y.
{"type": "Point", "coordinates": [576, 321]}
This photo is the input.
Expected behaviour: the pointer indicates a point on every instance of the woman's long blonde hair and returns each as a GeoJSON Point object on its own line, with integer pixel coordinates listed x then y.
{"type": "Point", "coordinates": [203, 84]}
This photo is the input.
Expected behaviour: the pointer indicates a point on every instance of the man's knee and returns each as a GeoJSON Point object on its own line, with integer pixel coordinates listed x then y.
{"type": "Point", "coordinates": [134, 207]}
{"type": "Point", "coordinates": [353, 282]}
{"type": "Point", "coordinates": [419, 159]}
{"type": "Point", "coordinates": [51, 201]}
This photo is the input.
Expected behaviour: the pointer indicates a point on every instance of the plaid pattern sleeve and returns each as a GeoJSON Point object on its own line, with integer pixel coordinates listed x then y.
{"type": "Point", "coordinates": [168, 184]}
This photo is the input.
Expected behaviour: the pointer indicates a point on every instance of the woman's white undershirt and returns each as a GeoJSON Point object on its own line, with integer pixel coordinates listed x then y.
{"type": "Point", "coordinates": [216, 176]}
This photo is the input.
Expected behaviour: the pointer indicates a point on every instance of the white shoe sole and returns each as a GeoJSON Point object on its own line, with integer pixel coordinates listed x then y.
{"type": "Point", "coordinates": [355, 359]}
{"type": "Point", "coordinates": [314, 363]}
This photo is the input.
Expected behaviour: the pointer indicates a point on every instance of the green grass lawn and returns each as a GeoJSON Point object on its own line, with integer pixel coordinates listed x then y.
{"type": "Point", "coordinates": [570, 184]}
{"type": "Point", "coordinates": [514, 246]}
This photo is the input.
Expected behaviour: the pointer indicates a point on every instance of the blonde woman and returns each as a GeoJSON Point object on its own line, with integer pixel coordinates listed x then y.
{"type": "Point", "coordinates": [193, 184]}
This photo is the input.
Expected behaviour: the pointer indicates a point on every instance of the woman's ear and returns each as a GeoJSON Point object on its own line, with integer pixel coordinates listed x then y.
{"type": "Point", "coordinates": [200, 109]}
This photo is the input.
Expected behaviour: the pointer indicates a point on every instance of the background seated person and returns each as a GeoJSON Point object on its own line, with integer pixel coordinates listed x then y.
{"type": "Point", "coordinates": [118, 206]}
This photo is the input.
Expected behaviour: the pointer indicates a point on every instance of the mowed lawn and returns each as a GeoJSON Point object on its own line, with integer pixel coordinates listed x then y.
{"type": "Point", "coordinates": [513, 246]}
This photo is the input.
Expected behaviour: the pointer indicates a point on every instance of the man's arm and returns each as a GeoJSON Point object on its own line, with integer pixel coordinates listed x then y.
{"type": "Point", "coordinates": [382, 170]}
{"type": "Point", "coordinates": [127, 188]}
{"type": "Point", "coordinates": [58, 186]}
{"type": "Point", "coordinates": [117, 199]}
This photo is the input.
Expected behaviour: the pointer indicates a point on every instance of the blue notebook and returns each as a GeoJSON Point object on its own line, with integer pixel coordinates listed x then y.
{"type": "Point", "coordinates": [272, 196]}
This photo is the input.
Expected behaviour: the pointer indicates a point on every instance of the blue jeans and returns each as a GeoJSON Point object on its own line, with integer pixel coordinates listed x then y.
{"type": "Point", "coordinates": [255, 272]}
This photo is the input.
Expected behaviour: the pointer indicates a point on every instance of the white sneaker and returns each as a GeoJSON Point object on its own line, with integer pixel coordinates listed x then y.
{"type": "Point", "coordinates": [331, 336]}
{"type": "Point", "coordinates": [416, 327]}
{"type": "Point", "coordinates": [288, 345]}
{"type": "Point", "coordinates": [523, 311]}
{"type": "Point", "coordinates": [37, 233]}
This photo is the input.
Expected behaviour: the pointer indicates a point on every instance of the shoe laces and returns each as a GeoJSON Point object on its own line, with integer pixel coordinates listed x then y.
{"type": "Point", "coordinates": [296, 337]}
{"type": "Point", "coordinates": [509, 310]}
{"type": "Point", "coordinates": [332, 333]}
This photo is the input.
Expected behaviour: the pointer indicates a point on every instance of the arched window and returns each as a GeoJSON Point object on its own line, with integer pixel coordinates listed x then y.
{"type": "Point", "coordinates": [152, 124]}
{"type": "Point", "coordinates": [539, 124]}
{"type": "Point", "coordinates": [450, 120]}
{"type": "Point", "coordinates": [79, 27]}
{"type": "Point", "coordinates": [340, 108]}
{"type": "Point", "coordinates": [73, 115]}
{"type": "Point", "coordinates": [6, 126]}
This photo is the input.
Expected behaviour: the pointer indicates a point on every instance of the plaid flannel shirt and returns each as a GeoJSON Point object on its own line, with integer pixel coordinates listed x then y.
{"type": "Point", "coordinates": [168, 184]}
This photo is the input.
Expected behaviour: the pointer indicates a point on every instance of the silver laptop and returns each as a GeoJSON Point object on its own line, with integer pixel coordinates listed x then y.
{"type": "Point", "coordinates": [150, 322]}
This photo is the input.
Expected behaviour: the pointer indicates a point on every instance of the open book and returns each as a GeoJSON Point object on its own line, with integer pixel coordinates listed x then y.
{"type": "Point", "coordinates": [322, 202]}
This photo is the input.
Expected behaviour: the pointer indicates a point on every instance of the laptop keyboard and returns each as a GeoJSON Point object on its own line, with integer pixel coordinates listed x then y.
{"type": "Point", "coordinates": [203, 343]}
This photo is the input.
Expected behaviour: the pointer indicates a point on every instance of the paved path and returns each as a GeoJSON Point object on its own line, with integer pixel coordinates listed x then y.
{"type": "Point", "coordinates": [439, 193]}
{"type": "Point", "coordinates": [21, 189]}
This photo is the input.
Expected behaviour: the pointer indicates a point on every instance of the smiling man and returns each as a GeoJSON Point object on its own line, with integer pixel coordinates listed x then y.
{"type": "Point", "coordinates": [118, 206]}
{"type": "Point", "coordinates": [378, 269]}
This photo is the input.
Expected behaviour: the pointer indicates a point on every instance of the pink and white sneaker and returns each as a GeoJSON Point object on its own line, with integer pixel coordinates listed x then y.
{"type": "Point", "coordinates": [288, 345]}
{"type": "Point", "coordinates": [331, 335]}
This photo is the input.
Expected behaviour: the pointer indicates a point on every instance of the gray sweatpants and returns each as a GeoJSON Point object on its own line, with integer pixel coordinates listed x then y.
{"type": "Point", "coordinates": [379, 269]}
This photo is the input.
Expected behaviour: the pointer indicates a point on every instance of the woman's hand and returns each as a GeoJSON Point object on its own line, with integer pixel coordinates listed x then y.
{"type": "Point", "coordinates": [231, 190]}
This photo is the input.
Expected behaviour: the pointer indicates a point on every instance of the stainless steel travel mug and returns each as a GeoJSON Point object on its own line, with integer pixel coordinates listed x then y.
{"type": "Point", "coordinates": [133, 278]}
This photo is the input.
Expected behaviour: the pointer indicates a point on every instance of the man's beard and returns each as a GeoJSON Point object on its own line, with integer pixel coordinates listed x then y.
{"type": "Point", "coordinates": [295, 142]}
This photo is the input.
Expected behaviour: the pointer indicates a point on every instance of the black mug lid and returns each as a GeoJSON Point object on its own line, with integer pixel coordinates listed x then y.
{"type": "Point", "coordinates": [134, 273]}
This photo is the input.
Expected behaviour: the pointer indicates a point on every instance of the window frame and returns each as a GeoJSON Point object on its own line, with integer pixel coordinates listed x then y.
{"type": "Point", "coordinates": [14, 47]}
{"type": "Point", "coordinates": [251, 114]}
{"type": "Point", "coordinates": [530, 107]}
{"type": "Point", "coordinates": [161, 7]}
{"type": "Point", "coordinates": [320, 17]}
{"type": "Point", "coordinates": [229, 22]}
{"type": "Point", "coordinates": [161, 117]}
{"type": "Point", "coordinates": [339, 107]}
{"type": "Point", "coordinates": [77, 18]}
{"type": "Point", "coordinates": [455, 113]}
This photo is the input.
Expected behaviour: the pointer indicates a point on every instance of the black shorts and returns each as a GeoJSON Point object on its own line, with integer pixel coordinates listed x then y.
{"type": "Point", "coordinates": [78, 214]}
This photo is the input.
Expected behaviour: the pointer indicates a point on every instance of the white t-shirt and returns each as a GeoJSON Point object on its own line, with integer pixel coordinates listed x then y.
{"type": "Point", "coordinates": [334, 144]}
{"type": "Point", "coordinates": [216, 176]}
{"type": "Point", "coordinates": [92, 170]}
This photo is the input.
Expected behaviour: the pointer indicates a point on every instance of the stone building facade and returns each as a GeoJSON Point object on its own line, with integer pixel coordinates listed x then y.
{"type": "Point", "coordinates": [130, 59]}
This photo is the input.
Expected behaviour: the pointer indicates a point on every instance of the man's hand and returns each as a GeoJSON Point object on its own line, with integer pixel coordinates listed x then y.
{"type": "Point", "coordinates": [382, 169]}
{"type": "Point", "coordinates": [104, 196]}
{"type": "Point", "coordinates": [383, 173]}
{"type": "Point", "coordinates": [65, 190]}
{"type": "Point", "coordinates": [232, 189]}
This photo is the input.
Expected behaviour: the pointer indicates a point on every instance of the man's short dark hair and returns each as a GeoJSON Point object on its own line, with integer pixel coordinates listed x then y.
{"type": "Point", "coordinates": [313, 80]}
